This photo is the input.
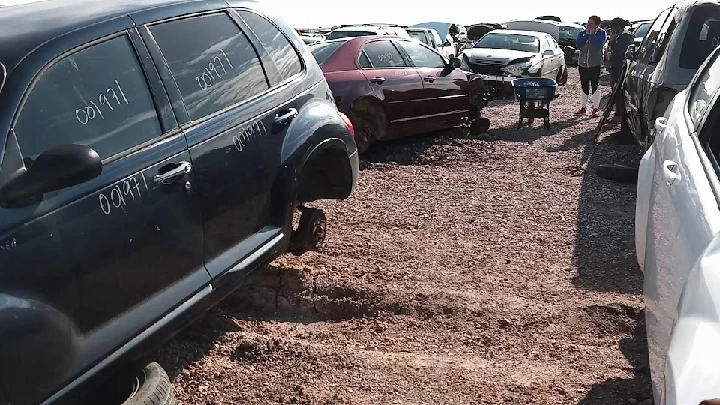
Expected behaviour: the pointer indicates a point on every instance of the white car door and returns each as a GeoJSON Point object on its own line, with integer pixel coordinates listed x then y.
{"type": "Point", "coordinates": [678, 209]}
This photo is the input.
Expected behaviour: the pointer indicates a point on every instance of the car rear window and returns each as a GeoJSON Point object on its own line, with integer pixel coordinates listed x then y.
{"type": "Point", "coordinates": [324, 50]}
{"type": "Point", "coordinates": [349, 34]}
{"type": "Point", "coordinates": [516, 42]}
{"type": "Point", "coordinates": [420, 36]}
{"type": "Point", "coordinates": [701, 37]}
{"type": "Point", "coordinates": [642, 30]}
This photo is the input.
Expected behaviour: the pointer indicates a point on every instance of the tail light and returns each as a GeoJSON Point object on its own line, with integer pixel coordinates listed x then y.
{"type": "Point", "coordinates": [348, 123]}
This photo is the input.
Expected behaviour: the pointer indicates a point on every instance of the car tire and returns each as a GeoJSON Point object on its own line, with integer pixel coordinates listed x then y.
{"type": "Point", "coordinates": [369, 121]}
{"type": "Point", "coordinates": [151, 387]}
{"type": "Point", "coordinates": [310, 233]}
{"type": "Point", "coordinates": [562, 76]}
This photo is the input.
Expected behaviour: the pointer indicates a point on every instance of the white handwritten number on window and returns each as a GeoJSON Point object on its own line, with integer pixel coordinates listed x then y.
{"type": "Point", "coordinates": [90, 112]}
{"type": "Point", "coordinates": [211, 73]}
{"type": "Point", "coordinates": [119, 191]}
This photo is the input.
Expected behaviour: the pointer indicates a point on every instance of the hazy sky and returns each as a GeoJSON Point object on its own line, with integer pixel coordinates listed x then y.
{"type": "Point", "coordinates": [314, 13]}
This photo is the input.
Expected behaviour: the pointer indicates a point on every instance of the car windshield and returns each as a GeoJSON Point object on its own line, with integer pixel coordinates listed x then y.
{"type": "Point", "coordinates": [642, 30]}
{"type": "Point", "coordinates": [419, 35]}
{"type": "Point", "coordinates": [569, 32]}
{"type": "Point", "coordinates": [515, 42]}
{"type": "Point", "coordinates": [349, 34]}
{"type": "Point", "coordinates": [322, 51]}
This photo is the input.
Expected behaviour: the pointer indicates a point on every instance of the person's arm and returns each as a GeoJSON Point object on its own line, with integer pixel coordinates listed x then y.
{"type": "Point", "coordinates": [582, 39]}
{"type": "Point", "coordinates": [598, 39]}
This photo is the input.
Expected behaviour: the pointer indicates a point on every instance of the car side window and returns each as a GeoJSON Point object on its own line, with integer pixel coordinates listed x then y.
{"type": "Point", "coordinates": [651, 39]}
{"type": "Point", "coordinates": [701, 37]}
{"type": "Point", "coordinates": [97, 96]}
{"type": "Point", "coordinates": [383, 54]}
{"type": "Point", "coordinates": [421, 56]}
{"type": "Point", "coordinates": [703, 91]}
{"type": "Point", "coordinates": [283, 54]}
{"type": "Point", "coordinates": [215, 68]}
{"type": "Point", "coordinates": [663, 39]}
{"type": "Point", "coordinates": [364, 61]}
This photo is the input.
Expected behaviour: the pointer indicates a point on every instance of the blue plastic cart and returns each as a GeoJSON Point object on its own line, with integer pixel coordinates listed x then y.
{"type": "Point", "coordinates": [535, 95]}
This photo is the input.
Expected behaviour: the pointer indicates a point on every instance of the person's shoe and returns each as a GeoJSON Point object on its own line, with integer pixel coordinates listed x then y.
{"type": "Point", "coordinates": [596, 112]}
{"type": "Point", "coordinates": [581, 111]}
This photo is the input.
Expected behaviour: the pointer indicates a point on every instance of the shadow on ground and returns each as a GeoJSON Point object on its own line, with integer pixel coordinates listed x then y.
{"type": "Point", "coordinates": [637, 388]}
{"type": "Point", "coordinates": [605, 247]}
{"type": "Point", "coordinates": [434, 149]}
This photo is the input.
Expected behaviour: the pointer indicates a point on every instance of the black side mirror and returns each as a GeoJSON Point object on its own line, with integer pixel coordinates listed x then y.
{"type": "Point", "coordinates": [58, 167]}
{"type": "Point", "coordinates": [631, 53]}
{"type": "Point", "coordinates": [454, 63]}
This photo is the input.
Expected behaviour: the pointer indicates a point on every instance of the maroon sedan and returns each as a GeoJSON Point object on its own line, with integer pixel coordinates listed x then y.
{"type": "Point", "coordinates": [392, 87]}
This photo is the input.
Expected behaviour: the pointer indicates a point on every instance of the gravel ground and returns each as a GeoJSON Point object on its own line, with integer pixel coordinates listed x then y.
{"type": "Point", "coordinates": [464, 270]}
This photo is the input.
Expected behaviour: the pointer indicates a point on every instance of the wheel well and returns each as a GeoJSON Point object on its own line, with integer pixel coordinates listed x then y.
{"type": "Point", "coordinates": [369, 106]}
{"type": "Point", "coordinates": [326, 175]}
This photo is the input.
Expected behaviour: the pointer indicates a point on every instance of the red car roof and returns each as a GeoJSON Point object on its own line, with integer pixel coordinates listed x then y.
{"type": "Point", "coordinates": [346, 57]}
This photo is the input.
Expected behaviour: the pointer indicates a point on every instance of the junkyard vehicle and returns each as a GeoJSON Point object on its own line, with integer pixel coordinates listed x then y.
{"type": "Point", "coordinates": [477, 31]}
{"type": "Point", "coordinates": [679, 40]}
{"type": "Point", "coordinates": [453, 35]}
{"type": "Point", "coordinates": [567, 37]}
{"type": "Point", "coordinates": [431, 38]}
{"type": "Point", "coordinates": [310, 40]}
{"type": "Point", "coordinates": [144, 173]}
{"type": "Point", "coordinates": [351, 31]}
{"type": "Point", "coordinates": [677, 239]}
{"type": "Point", "coordinates": [503, 55]}
{"type": "Point", "coordinates": [395, 87]}
{"type": "Point", "coordinates": [639, 30]}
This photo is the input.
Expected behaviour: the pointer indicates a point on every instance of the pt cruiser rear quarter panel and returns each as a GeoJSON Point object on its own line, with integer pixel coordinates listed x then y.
{"type": "Point", "coordinates": [143, 172]}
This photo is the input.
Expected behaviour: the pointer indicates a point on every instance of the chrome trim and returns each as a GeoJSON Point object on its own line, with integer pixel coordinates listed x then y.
{"type": "Point", "coordinates": [132, 343]}
{"type": "Point", "coordinates": [182, 169]}
{"type": "Point", "coordinates": [258, 253]}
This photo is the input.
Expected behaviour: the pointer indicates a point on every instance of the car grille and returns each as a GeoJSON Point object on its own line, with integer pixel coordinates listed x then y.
{"type": "Point", "coordinates": [486, 67]}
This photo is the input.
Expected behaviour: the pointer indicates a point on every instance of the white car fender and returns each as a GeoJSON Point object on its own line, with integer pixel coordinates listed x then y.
{"type": "Point", "coordinates": [642, 205]}
{"type": "Point", "coordinates": [691, 373]}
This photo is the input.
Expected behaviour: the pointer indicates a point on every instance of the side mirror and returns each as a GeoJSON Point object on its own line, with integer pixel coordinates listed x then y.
{"type": "Point", "coordinates": [455, 63]}
{"type": "Point", "coordinates": [548, 52]}
{"type": "Point", "coordinates": [59, 167]}
{"type": "Point", "coordinates": [630, 53]}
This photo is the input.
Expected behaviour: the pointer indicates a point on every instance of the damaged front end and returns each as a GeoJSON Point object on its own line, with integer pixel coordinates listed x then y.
{"type": "Point", "coordinates": [480, 96]}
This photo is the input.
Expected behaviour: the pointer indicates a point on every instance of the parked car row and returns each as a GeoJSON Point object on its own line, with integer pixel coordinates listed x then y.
{"type": "Point", "coordinates": [671, 92]}
{"type": "Point", "coordinates": [677, 42]}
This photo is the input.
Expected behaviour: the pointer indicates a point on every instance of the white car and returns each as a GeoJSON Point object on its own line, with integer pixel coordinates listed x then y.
{"type": "Point", "coordinates": [431, 38]}
{"type": "Point", "coordinates": [503, 55]}
{"type": "Point", "coordinates": [677, 225]}
{"type": "Point", "coordinates": [363, 30]}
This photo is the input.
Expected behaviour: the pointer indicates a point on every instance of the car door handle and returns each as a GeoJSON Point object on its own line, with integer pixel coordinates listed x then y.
{"type": "Point", "coordinates": [670, 172]}
{"type": "Point", "coordinates": [287, 117]}
{"type": "Point", "coordinates": [378, 80]}
{"type": "Point", "coordinates": [429, 79]}
{"type": "Point", "coordinates": [168, 177]}
{"type": "Point", "coordinates": [660, 124]}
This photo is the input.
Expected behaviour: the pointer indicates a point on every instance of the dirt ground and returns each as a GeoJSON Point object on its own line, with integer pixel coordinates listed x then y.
{"type": "Point", "coordinates": [487, 269]}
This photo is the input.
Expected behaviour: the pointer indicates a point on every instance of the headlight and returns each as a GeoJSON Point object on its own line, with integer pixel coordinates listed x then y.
{"type": "Point", "coordinates": [516, 69]}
